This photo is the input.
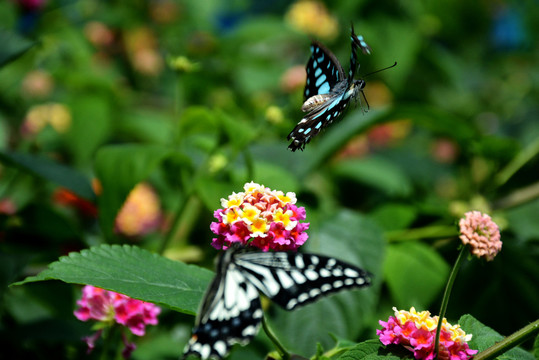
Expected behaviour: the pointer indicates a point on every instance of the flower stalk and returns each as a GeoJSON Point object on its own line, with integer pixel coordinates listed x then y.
{"type": "Point", "coordinates": [509, 342]}
{"type": "Point", "coordinates": [447, 293]}
{"type": "Point", "coordinates": [285, 355]}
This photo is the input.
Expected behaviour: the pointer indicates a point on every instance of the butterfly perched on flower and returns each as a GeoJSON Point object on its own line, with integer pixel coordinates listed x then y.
{"type": "Point", "coordinates": [231, 312]}
{"type": "Point", "coordinates": [327, 90]}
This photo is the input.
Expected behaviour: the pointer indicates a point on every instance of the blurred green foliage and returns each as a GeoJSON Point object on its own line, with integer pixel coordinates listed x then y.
{"type": "Point", "coordinates": [197, 97]}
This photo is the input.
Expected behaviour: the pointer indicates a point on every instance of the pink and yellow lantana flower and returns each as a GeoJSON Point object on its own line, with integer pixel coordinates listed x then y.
{"type": "Point", "coordinates": [109, 307]}
{"type": "Point", "coordinates": [260, 217]}
{"type": "Point", "coordinates": [416, 331]}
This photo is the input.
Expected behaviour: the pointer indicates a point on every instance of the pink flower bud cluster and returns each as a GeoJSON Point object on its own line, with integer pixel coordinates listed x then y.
{"type": "Point", "coordinates": [481, 233]}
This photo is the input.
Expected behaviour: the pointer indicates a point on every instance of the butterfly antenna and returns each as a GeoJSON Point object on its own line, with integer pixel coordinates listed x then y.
{"type": "Point", "coordinates": [377, 71]}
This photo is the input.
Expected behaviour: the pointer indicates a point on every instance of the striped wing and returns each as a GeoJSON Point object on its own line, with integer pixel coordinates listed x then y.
{"type": "Point", "coordinates": [327, 92]}
{"type": "Point", "coordinates": [230, 313]}
{"type": "Point", "coordinates": [295, 279]}
{"type": "Point", "coordinates": [323, 71]}
{"type": "Point", "coordinates": [321, 115]}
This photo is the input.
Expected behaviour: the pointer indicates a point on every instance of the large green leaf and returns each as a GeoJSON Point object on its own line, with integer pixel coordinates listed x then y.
{"type": "Point", "coordinates": [120, 168]}
{"type": "Point", "coordinates": [350, 237]}
{"type": "Point", "coordinates": [52, 171]}
{"type": "Point", "coordinates": [13, 46]}
{"type": "Point", "coordinates": [415, 274]}
{"type": "Point", "coordinates": [134, 272]}
{"type": "Point", "coordinates": [370, 350]}
{"type": "Point", "coordinates": [375, 172]}
{"type": "Point", "coordinates": [324, 146]}
{"type": "Point", "coordinates": [92, 118]}
{"type": "Point", "coordinates": [485, 337]}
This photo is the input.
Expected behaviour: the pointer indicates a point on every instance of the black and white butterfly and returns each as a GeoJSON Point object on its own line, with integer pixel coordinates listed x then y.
{"type": "Point", "coordinates": [231, 312]}
{"type": "Point", "coordinates": [327, 91]}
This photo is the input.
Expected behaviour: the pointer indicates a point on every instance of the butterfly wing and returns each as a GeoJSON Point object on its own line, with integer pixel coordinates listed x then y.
{"type": "Point", "coordinates": [295, 279]}
{"type": "Point", "coordinates": [230, 313]}
{"type": "Point", "coordinates": [320, 117]}
{"type": "Point", "coordinates": [323, 71]}
{"type": "Point", "coordinates": [358, 43]}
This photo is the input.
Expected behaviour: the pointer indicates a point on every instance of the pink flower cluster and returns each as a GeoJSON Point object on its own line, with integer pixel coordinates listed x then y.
{"type": "Point", "coordinates": [109, 307]}
{"type": "Point", "coordinates": [260, 217]}
{"type": "Point", "coordinates": [481, 233]}
{"type": "Point", "coordinates": [417, 331]}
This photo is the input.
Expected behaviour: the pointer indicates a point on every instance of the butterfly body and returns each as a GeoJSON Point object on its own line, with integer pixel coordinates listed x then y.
{"type": "Point", "coordinates": [327, 90]}
{"type": "Point", "coordinates": [231, 312]}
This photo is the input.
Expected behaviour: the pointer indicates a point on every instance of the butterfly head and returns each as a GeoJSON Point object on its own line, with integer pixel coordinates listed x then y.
{"type": "Point", "coordinates": [355, 89]}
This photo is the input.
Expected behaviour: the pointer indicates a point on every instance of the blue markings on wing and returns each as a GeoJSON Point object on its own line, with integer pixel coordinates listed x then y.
{"type": "Point", "coordinates": [324, 89]}
{"type": "Point", "coordinates": [325, 76]}
{"type": "Point", "coordinates": [320, 80]}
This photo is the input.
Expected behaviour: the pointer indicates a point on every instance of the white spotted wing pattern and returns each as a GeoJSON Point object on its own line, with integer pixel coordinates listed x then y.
{"type": "Point", "coordinates": [231, 311]}
{"type": "Point", "coordinates": [327, 91]}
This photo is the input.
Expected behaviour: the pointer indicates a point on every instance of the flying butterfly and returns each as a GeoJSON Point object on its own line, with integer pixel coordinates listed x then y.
{"type": "Point", "coordinates": [231, 312]}
{"type": "Point", "coordinates": [327, 91]}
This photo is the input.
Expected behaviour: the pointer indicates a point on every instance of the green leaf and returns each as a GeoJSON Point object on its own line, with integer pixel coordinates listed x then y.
{"type": "Point", "coordinates": [52, 171]}
{"type": "Point", "coordinates": [134, 272]}
{"type": "Point", "coordinates": [239, 132]}
{"type": "Point", "coordinates": [485, 337]}
{"type": "Point", "coordinates": [375, 172]}
{"type": "Point", "coordinates": [92, 117]}
{"type": "Point", "coordinates": [323, 147]}
{"type": "Point", "coordinates": [274, 177]}
{"type": "Point", "coordinates": [394, 216]}
{"type": "Point", "coordinates": [523, 220]}
{"type": "Point", "coordinates": [370, 349]}
{"type": "Point", "coordinates": [350, 237]}
{"type": "Point", "coordinates": [415, 274]}
{"type": "Point", "coordinates": [120, 168]}
{"type": "Point", "coordinates": [199, 126]}
{"type": "Point", "coordinates": [13, 46]}
{"type": "Point", "coordinates": [147, 126]}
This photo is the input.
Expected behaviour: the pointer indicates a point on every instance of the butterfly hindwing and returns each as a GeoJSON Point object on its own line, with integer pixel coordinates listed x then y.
{"type": "Point", "coordinates": [320, 117]}
{"type": "Point", "coordinates": [295, 279]}
{"type": "Point", "coordinates": [323, 71]}
{"type": "Point", "coordinates": [230, 313]}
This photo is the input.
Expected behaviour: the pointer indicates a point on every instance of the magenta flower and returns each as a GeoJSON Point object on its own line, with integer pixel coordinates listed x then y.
{"type": "Point", "coordinates": [109, 307]}
{"type": "Point", "coordinates": [416, 332]}
{"type": "Point", "coordinates": [260, 217]}
{"type": "Point", "coordinates": [481, 233]}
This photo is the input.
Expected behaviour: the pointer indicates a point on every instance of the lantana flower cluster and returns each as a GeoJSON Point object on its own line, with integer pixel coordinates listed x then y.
{"type": "Point", "coordinates": [141, 213]}
{"type": "Point", "coordinates": [260, 217]}
{"type": "Point", "coordinates": [416, 331]}
{"type": "Point", "coordinates": [109, 307]}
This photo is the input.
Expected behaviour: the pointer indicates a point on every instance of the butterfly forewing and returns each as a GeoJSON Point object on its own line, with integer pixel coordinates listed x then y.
{"type": "Point", "coordinates": [295, 279]}
{"type": "Point", "coordinates": [323, 71]}
{"type": "Point", "coordinates": [358, 42]}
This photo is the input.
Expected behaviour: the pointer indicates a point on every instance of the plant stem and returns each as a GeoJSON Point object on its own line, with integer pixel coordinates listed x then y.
{"type": "Point", "coordinates": [517, 163]}
{"type": "Point", "coordinates": [285, 355]}
{"type": "Point", "coordinates": [447, 293]}
{"type": "Point", "coordinates": [509, 342]}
